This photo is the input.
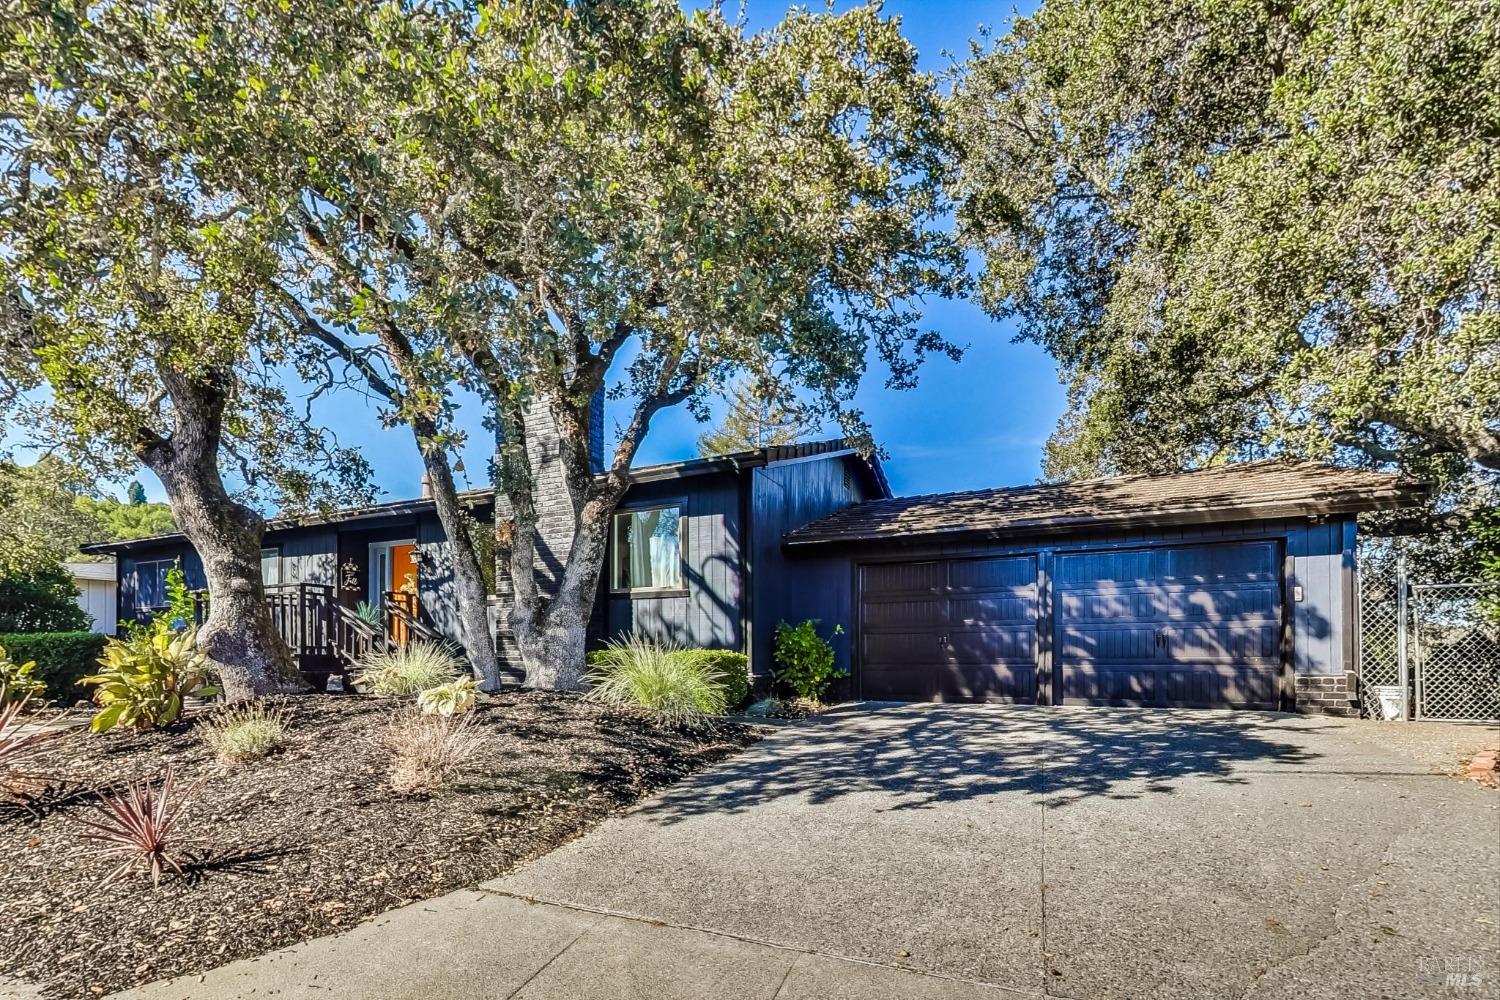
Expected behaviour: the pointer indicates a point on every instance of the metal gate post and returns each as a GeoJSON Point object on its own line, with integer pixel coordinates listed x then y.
{"type": "Point", "coordinates": [1402, 668]}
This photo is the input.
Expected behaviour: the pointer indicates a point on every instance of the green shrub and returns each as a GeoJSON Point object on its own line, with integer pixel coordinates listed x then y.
{"type": "Point", "coordinates": [804, 660]}
{"type": "Point", "coordinates": [245, 732]}
{"type": "Point", "coordinates": [44, 601]}
{"type": "Point", "coordinates": [17, 680]}
{"type": "Point", "coordinates": [144, 681]}
{"type": "Point", "coordinates": [407, 671]}
{"type": "Point", "coordinates": [637, 673]}
{"type": "Point", "coordinates": [62, 659]}
{"type": "Point", "coordinates": [731, 669]}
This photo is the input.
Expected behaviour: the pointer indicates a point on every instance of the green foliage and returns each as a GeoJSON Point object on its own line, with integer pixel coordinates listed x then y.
{"type": "Point", "coordinates": [245, 732]}
{"type": "Point", "coordinates": [730, 669]}
{"type": "Point", "coordinates": [639, 674]}
{"type": "Point", "coordinates": [135, 493]}
{"type": "Point", "coordinates": [406, 671]}
{"type": "Point", "coordinates": [17, 680]}
{"type": "Point", "coordinates": [62, 658]}
{"type": "Point", "coordinates": [453, 698]}
{"type": "Point", "coordinates": [756, 417]}
{"type": "Point", "coordinates": [118, 521]}
{"type": "Point", "coordinates": [144, 681]}
{"type": "Point", "coordinates": [805, 660]}
{"type": "Point", "coordinates": [181, 610]}
{"type": "Point", "coordinates": [369, 614]}
{"type": "Point", "coordinates": [1246, 228]}
{"type": "Point", "coordinates": [44, 600]}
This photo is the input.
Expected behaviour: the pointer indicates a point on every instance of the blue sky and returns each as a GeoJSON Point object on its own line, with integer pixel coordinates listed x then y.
{"type": "Point", "coordinates": [980, 422]}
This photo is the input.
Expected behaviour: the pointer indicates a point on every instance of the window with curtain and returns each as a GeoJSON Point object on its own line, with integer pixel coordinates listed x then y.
{"type": "Point", "coordinates": [270, 567]}
{"type": "Point", "coordinates": [647, 550]}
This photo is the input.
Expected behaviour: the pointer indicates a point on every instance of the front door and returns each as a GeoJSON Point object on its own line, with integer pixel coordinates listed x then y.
{"type": "Point", "coordinates": [393, 570]}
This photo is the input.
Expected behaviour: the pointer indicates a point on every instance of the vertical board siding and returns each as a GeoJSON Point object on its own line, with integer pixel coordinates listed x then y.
{"type": "Point", "coordinates": [308, 555]}
{"type": "Point", "coordinates": [708, 615]}
{"type": "Point", "coordinates": [784, 496]}
{"type": "Point", "coordinates": [435, 576]}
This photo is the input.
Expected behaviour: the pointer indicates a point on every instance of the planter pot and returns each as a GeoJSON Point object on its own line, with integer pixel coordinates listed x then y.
{"type": "Point", "coordinates": [1389, 698]}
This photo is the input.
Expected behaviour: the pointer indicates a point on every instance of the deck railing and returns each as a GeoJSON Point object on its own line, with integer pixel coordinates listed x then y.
{"type": "Point", "coordinates": [324, 635]}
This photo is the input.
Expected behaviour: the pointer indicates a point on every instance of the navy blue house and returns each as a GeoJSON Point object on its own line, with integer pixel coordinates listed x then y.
{"type": "Point", "coordinates": [1227, 587]}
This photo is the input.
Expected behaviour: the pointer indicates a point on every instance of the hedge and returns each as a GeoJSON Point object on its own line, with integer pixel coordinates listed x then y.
{"type": "Point", "coordinates": [733, 670]}
{"type": "Point", "coordinates": [61, 659]}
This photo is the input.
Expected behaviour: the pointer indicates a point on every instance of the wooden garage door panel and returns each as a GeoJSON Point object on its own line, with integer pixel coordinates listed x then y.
{"type": "Point", "coordinates": [973, 639]}
{"type": "Point", "coordinates": [1179, 625]}
{"type": "Point", "coordinates": [899, 578]}
{"type": "Point", "coordinates": [888, 615]}
{"type": "Point", "coordinates": [899, 682]}
{"type": "Point", "coordinates": [1110, 602]}
{"type": "Point", "coordinates": [988, 682]}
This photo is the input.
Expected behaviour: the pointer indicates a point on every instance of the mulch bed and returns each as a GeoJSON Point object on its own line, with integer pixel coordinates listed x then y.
{"type": "Point", "coordinates": [311, 840]}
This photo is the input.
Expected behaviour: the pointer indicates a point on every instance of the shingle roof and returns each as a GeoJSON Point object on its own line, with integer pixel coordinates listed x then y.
{"type": "Point", "coordinates": [1246, 491]}
{"type": "Point", "coordinates": [478, 497]}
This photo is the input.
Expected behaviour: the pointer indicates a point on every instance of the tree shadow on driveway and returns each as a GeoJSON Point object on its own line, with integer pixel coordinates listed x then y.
{"type": "Point", "coordinates": [923, 757]}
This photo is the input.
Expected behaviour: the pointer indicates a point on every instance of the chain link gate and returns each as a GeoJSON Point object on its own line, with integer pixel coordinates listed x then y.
{"type": "Point", "coordinates": [1456, 651]}
{"type": "Point", "coordinates": [1429, 650]}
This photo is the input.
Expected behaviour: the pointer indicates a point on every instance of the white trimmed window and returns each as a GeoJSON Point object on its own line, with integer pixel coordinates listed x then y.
{"type": "Point", "coordinates": [646, 550]}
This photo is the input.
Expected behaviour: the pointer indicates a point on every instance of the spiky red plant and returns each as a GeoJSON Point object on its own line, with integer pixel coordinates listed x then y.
{"type": "Point", "coordinates": [138, 823]}
{"type": "Point", "coordinates": [16, 742]}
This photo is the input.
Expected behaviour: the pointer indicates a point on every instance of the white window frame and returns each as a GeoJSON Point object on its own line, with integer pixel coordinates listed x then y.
{"type": "Point", "coordinates": [275, 553]}
{"type": "Point", "coordinates": [380, 569]}
{"type": "Point", "coordinates": [680, 588]}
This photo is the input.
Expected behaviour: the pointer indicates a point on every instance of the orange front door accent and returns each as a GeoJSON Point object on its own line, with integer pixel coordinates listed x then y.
{"type": "Point", "coordinates": [404, 583]}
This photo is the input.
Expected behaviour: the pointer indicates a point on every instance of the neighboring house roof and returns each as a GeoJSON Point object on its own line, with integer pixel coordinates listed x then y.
{"type": "Point", "coordinates": [1247, 491]}
{"type": "Point", "coordinates": [645, 474]}
{"type": "Point", "coordinates": [91, 570]}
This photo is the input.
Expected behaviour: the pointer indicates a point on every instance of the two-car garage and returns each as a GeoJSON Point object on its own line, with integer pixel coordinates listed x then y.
{"type": "Point", "coordinates": [1196, 625]}
{"type": "Point", "coordinates": [1225, 588]}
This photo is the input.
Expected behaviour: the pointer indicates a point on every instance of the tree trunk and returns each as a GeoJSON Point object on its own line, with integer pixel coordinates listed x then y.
{"type": "Point", "coordinates": [239, 635]}
{"type": "Point", "coordinates": [551, 526]}
{"type": "Point", "coordinates": [551, 634]}
{"type": "Point", "coordinates": [468, 579]}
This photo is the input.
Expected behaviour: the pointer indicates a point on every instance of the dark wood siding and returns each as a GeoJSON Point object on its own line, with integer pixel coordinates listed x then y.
{"type": "Point", "coordinates": [784, 496]}
{"type": "Point", "coordinates": [708, 613]}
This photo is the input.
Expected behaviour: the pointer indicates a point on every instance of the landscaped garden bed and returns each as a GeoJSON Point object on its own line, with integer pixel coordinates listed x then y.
{"type": "Point", "coordinates": [312, 839]}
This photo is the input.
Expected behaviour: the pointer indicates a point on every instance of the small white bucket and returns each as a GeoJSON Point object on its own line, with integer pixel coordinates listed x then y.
{"type": "Point", "coordinates": [1390, 697]}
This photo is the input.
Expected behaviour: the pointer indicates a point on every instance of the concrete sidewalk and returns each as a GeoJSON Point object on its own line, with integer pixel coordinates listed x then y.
{"type": "Point", "coordinates": [481, 944]}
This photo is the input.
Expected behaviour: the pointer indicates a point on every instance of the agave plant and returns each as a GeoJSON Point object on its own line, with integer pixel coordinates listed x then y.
{"type": "Point", "coordinates": [145, 680]}
{"type": "Point", "coordinates": [137, 824]}
{"type": "Point", "coordinates": [369, 614]}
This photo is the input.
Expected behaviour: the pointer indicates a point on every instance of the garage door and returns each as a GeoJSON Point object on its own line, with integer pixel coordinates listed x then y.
{"type": "Point", "coordinates": [1190, 625]}
{"type": "Point", "coordinates": [950, 630]}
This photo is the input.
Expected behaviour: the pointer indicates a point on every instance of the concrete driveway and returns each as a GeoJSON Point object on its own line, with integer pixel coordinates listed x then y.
{"type": "Point", "coordinates": [982, 851]}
